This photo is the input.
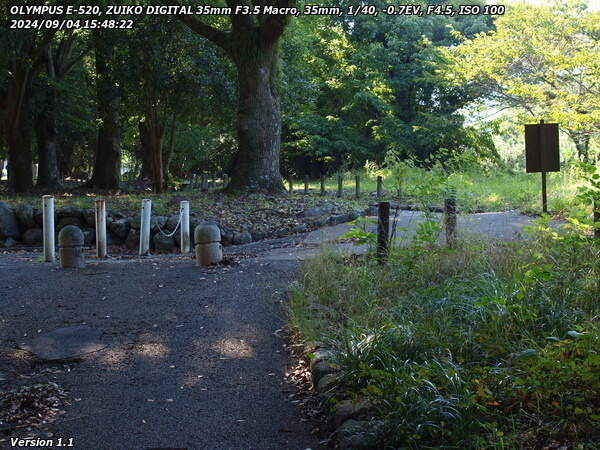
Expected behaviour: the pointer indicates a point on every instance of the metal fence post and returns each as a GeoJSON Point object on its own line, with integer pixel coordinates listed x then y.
{"type": "Point", "coordinates": [101, 228]}
{"type": "Point", "coordinates": [48, 225]}
{"type": "Point", "coordinates": [145, 227]}
{"type": "Point", "coordinates": [185, 226]}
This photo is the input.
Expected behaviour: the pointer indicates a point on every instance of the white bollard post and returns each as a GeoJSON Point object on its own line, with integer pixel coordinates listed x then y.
{"type": "Point", "coordinates": [185, 226]}
{"type": "Point", "coordinates": [145, 227]}
{"type": "Point", "coordinates": [48, 221]}
{"type": "Point", "coordinates": [101, 228]}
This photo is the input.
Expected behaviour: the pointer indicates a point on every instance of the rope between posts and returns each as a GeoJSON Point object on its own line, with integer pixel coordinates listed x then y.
{"type": "Point", "coordinates": [174, 230]}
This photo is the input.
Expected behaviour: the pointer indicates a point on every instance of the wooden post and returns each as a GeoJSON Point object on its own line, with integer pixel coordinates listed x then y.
{"type": "Point", "coordinates": [379, 186]}
{"type": "Point", "coordinates": [340, 189]}
{"type": "Point", "coordinates": [383, 230]}
{"type": "Point", "coordinates": [544, 194]}
{"type": "Point", "coordinates": [450, 218]}
{"type": "Point", "coordinates": [225, 180]}
{"type": "Point", "coordinates": [48, 225]}
{"type": "Point", "coordinates": [597, 219]}
{"type": "Point", "coordinates": [322, 184]}
{"type": "Point", "coordinates": [145, 227]}
{"type": "Point", "coordinates": [291, 183]}
{"type": "Point", "coordinates": [213, 183]}
{"type": "Point", "coordinates": [357, 186]}
{"type": "Point", "coordinates": [184, 207]}
{"type": "Point", "coordinates": [306, 184]}
{"type": "Point", "coordinates": [101, 228]}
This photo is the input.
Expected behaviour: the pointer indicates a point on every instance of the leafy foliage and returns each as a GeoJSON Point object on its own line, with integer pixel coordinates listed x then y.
{"type": "Point", "coordinates": [484, 346]}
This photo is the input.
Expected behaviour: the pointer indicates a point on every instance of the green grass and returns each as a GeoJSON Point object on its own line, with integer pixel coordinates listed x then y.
{"type": "Point", "coordinates": [490, 345]}
{"type": "Point", "coordinates": [476, 191]}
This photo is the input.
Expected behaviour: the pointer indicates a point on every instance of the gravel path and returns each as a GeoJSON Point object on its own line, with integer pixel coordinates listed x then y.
{"type": "Point", "coordinates": [195, 359]}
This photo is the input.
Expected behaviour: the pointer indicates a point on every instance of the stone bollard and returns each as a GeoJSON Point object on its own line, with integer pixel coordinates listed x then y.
{"type": "Point", "coordinates": [70, 244]}
{"type": "Point", "coordinates": [208, 245]}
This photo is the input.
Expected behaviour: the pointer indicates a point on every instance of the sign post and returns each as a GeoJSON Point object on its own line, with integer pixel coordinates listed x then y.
{"type": "Point", "coordinates": [542, 153]}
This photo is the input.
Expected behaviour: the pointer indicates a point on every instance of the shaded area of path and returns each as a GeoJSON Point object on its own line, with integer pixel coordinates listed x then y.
{"type": "Point", "coordinates": [194, 362]}
{"type": "Point", "coordinates": [194, 358]}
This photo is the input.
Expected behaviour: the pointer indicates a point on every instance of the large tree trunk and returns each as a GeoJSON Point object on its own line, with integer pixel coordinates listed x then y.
{"type": "Point", "coordinates": [107, 163]}
{"type": "Point", "coordinates": [65, 159]}
{"type": "Point", "coordinates": [582, 144]}
{"type": "Point", "coordinates": [48, 173]}
{"type": "Point", "coordinates": [259, 119]}
{"type": "Point", "coordinates": [170, 148]}
{"type": "Point", "coordinates": [20, 170]}
{"type": "Point", "coordinates": [151, 138]}
{"type": "Point", "coordinates": [146, 157]}
{"type": "Point", "coordinates": [18, 133]}
{"type": "Point", "coordinates": [252, 44]}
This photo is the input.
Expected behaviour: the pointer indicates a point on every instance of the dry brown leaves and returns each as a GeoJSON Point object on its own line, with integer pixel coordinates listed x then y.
{"type": "Point", "coordinates": [29, 408]}
{"type": "Point", "coordinates": [302, 393]}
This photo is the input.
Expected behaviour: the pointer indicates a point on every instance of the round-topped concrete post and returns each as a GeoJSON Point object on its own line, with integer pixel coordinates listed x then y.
{"type": "Point", "coordinates": [70, 244]}
{"type": "Point", "coordinates": [208, 245]}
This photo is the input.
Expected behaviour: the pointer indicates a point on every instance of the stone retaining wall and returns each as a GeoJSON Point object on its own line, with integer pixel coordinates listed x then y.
{"type": "Point", "coordinates": [23, 224]}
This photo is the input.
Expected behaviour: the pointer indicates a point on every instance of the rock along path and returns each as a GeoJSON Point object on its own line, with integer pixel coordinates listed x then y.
{"type": "Point", "coordinates": [194, 357]}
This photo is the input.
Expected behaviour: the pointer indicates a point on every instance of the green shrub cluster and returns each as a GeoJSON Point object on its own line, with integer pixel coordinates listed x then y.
{"type": "Point", "coordinates": [489, 345]}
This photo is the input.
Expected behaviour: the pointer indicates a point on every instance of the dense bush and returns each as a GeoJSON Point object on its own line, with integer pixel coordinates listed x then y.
{"type": "Point", "coordinates": [487, 345]}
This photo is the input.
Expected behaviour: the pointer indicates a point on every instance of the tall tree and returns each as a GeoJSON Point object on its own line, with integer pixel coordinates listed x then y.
{"type": "Point", "coordinates": [107, 161]}
{"type": "Point", "coordinates": [23, 59]}
{"type": "Point", "coordinates": [59, 60]}
{"type": "Point", "coordinates": [542, 61]}
{"type": "Point", "coordinates": [252, 43]}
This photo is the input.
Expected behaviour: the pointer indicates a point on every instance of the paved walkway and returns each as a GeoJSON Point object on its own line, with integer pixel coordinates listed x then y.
{"type": "Point", "coordinates": [194, 358]}
{"type": "Point", "coordinates": [506, 226]}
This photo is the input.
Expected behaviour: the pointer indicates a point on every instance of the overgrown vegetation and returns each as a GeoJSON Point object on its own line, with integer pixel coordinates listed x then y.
{"type": "Point", "coordinates": [488, 345]}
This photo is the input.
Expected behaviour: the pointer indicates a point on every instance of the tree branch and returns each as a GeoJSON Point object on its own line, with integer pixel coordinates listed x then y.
{"type": "Point", "coordinates": [240, 20]}
{"type": "Point", "coordinates": [221, 38]}
{"type": "Point", "coordinates": [273, 26]}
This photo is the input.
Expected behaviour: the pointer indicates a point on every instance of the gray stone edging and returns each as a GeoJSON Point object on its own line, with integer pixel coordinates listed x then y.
{"type": "Point", "coordinates": [346, 417]}
{"type": "Point", "coordinates": [23, 224]}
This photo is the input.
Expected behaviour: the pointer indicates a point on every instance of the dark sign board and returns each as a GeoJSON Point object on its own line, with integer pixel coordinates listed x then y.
{"type": "Point", "coordinates": [541, 148]}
